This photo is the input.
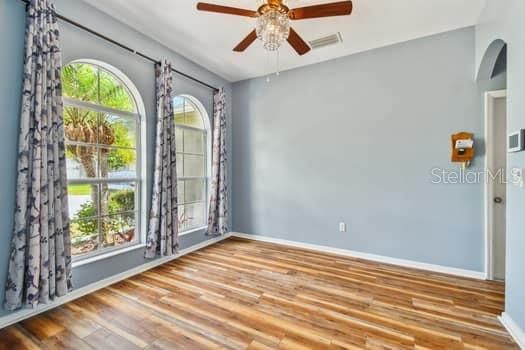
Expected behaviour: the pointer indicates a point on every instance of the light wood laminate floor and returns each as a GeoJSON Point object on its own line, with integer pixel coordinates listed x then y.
{"type": "Point", "coordinates": [241, 294]}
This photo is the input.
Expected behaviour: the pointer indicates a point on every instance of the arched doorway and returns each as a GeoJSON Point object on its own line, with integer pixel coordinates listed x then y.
{"type": "Point", "coordinates": [494, 61]}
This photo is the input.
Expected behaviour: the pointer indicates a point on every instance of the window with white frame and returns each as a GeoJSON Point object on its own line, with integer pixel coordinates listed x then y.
{"type": "Point", "coordinates": [102, 130]}
{"type": "Point", "coordinates": [193, 162]}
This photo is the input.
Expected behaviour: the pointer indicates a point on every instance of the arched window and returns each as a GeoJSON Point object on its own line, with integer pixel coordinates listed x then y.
{"type": "Point", "coordinates": [102, 129]}
{"type": "Point", "coordinates": [193, 162]}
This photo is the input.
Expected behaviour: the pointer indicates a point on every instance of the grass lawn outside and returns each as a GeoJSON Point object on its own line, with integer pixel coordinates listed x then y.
{"type": "Point", "coordinates": [79, 189]}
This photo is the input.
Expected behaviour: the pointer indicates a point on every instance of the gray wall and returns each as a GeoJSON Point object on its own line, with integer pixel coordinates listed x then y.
{"type": "Point", "coordinates": [77, 44]}
{"type": "Point", "coordinates": [11, 48]}
{"type": "Point", "coordinates": [504, 20]}
{"type": "Point", "coordinates": [355, 140]}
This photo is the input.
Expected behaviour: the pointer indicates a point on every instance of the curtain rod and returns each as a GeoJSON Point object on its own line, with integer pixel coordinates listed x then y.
{"type": "Point", "coordinates": [127, 48]}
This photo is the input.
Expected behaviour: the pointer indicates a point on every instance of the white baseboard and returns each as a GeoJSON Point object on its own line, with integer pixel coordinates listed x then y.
{"type": "Point", "coordinates": [512, 327]}
{"type": "Point", "coordinates": [23, 314]}
{"type": "Point", "coordinates": [367, 256]}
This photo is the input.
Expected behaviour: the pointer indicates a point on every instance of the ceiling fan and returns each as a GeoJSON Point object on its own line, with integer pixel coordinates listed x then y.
{"type": "Point", "coordinates": [273, 21]}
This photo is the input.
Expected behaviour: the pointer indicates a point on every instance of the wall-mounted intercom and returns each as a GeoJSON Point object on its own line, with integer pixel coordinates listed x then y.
{"type": "Point", "coordinates": [463, 148]}
{"type": "Point", "coordinates": [517, 141]}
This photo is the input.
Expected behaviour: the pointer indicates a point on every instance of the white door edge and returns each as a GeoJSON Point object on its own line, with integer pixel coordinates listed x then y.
{"type": "Point", "coordinates": [490, 96]}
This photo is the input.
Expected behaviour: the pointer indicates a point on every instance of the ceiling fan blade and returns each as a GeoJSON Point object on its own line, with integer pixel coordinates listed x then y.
{"type": "Point", "coordinates": [298, 43]}
{"type": "Point", "coordinates": [341, 8]}
{"type": "Point", "coordinates": [243, 45]}
{"type": "Point", "coordinates": [203, 6]}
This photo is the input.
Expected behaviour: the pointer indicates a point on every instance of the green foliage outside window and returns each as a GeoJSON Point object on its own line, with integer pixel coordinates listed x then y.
{"type": "Point", "coordinates": [120, 201]}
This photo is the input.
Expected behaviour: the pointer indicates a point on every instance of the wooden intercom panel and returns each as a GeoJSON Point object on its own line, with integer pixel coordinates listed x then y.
{"type": "Point", "coordinates": [463, 150]}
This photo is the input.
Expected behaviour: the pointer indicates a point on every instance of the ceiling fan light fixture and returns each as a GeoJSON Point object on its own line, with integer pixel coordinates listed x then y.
{"type": "Point", "coordinates": [273, 21]}
{"type": "Point", "coordinates": [273, 28]}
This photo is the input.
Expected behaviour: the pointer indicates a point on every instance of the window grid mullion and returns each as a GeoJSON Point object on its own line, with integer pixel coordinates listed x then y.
{"type": "Point", "coordinates": [118, 213]}
{"type": "Point", "coordinates": [191, 154]}
{"type": "Point", "coordinates": [99, 186]}
{"type": "Point", "coordinates": [96, 217]}
{"type": "Point", "coordinates": [69, 102]}
{"type": "Point", "coordinates": [97, 180]}
{"type": "Point", "coordinates": [194, 202]}
{"type": "Point", "coordinates": [87, 144]}
{"type": "Point", "coordinates": [99, 224]}
{"type": "Point", "coordinates": [185, 178]}
{"type": "Point", "coordinates": [192, 128]}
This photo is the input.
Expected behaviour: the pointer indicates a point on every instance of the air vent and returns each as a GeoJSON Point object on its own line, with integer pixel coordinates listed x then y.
{"type": "Point", "coordinates": [326, 41]}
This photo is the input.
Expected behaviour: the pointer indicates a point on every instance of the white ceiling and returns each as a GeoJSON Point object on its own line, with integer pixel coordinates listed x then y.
{"type": "Point", "coordinates": [208, 38]}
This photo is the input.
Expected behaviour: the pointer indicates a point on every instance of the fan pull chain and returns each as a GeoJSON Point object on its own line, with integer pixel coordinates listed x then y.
{"type": "Point", "coordinates": [268, 79]}
{"type": "Point", "coordinates": [277, 65]}
{"type": "Point", "coordinates": [277, 73]}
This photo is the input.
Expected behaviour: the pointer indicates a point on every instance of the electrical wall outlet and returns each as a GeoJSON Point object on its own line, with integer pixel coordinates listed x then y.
{"type": "Point", "coordinates": [342, 227]}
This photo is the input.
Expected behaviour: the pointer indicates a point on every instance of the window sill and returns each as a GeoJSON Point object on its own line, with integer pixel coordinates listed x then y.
{"type": "Point", "coordinates": [116, 252]}
{"type": "Point", "coordinates": [202, 228]}
{"type": "Point", "coordinates": [107, 255]}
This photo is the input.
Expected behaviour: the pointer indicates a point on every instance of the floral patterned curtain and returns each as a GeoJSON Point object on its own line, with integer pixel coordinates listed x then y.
{"type": "Point", "coordinates": [218, 214]}
{"type": "Point", "coordinates": [40, 260]}
{"type": "Point", "coordinates": [163, 223]}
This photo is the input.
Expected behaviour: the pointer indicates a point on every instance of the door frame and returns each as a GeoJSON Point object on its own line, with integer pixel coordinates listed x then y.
{"type": "Point", "coordinates": [490, 97]}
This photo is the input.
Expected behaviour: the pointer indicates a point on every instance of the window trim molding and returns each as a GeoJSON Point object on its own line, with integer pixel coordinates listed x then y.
{"type": "Point", "coordinates": [68, 101]}
{"type": "Point", "coordinates": [193, 230]}
{"type": "Point", "coordinates": [142, 141]}
{"type": "Point", "coordinates": [208, 132]}
{"type": "Point", "coordinates": [106, 253]}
